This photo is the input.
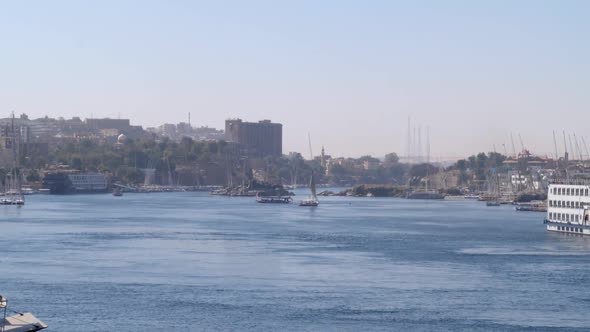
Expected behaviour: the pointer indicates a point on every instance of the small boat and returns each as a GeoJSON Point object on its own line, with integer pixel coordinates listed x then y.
{"type": "Point", "coordinates": [471, 197]}
{"type": "Point", "coordinates": [425, 194]}
{"type": "Point", "coordinates": [19, 322]}
{"type": "Point", "coordinates": [219, 192]}
{"type": "Point", "coordinates": [532, 206]}
{"type": "Point", "coordinates": [492, 203]}
{"type": "Point", "coordinates": [117, 192]}
{"type": "Point", "coordinates": [273, 199]}
{"type": "Point", "coordinates": [313, 199]}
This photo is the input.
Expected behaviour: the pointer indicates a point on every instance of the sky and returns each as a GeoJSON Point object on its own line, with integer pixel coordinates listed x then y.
{"type": "Point", "coordinates": [349, 73]}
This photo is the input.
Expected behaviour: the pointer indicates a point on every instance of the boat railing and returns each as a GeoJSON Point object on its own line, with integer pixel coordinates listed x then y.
{"type": "Point", "coordinates": [583, 182]}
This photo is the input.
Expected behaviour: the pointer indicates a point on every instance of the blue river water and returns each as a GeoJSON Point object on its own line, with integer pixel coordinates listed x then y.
{"type": "Point", "coordinates": [194, 262]}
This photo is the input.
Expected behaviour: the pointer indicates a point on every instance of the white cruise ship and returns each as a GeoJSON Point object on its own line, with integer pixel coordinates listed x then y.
{"type": "Point", "coordinates": [568, 207]}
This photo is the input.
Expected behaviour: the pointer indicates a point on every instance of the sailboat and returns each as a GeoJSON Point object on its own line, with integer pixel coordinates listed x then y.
{"type": "Point", "coordinates": [496, 200]}
{"type": "Point", "coordinates": [313, 199]}
{"type": "Point", "coordinates": [14, 194]}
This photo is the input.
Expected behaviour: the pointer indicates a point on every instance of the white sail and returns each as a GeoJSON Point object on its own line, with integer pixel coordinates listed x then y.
{"type": "Point", "coordinates": [312, 187]}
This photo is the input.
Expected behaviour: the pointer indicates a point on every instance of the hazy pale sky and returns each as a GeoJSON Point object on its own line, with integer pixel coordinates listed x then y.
{"type": "Point", "coordinates": [348, 72]}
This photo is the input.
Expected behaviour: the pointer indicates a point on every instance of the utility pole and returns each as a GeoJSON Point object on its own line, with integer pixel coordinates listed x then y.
{"type": "Point", "coordinates": [409, 145]}
{"type": "Point", "coordinates": [565, 145]}
{"type": "Point", "coordinates": [419, 144]}
{"type": "Point", "coordinates": [428, 144]}
{"type": "Point", "coordinates": [414, 146]}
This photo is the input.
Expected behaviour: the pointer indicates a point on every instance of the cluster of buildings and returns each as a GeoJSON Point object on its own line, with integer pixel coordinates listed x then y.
{"type": "Point", "coordinates": [39, 134]}
{"type": "Point", "coordinates": [256, 139]}
{"type": "Point", "coordinates": [46, 129]}
{"type": "Point", "coordinates": [261, 138]}
{"type": "Point", "coordinates": [176, 132]}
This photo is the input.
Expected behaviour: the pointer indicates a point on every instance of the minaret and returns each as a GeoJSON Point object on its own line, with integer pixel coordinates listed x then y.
{"type": "Point", "coordinates": [323, 158]}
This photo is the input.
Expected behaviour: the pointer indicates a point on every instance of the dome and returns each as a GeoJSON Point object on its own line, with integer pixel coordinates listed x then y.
{"type": "Point", "coordinates": [121, 138]}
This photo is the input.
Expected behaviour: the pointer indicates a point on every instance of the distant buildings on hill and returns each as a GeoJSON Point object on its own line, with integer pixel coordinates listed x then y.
{"type": "Point", "coordinates": [35, 136]}
{"type": "Point", "coordinates": [256, 139]}
{"type": "Point", "coordinates": [183, 129]}
{"type": "Point", "coordinates": [45, 129]}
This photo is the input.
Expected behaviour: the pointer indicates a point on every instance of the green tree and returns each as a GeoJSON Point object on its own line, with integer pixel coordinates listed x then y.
{"type": "Point", "coordinates": [391, 158]}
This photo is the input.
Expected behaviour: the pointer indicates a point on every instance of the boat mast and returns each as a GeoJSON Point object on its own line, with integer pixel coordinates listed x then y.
{"type": "Point", "coordinates": [15, 178]}
{"type": "Point", "coordinates": [311, 180]}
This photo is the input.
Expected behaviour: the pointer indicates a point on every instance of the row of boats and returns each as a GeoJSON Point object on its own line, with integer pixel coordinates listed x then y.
{"type": "Point", "coordinates": [16, 200]}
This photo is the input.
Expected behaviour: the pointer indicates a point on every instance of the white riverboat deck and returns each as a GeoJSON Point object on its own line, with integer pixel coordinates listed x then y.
{"type": "Point", "coordinates": [24, 322]}
{"type": "Point", "coordinates": [568, 207]}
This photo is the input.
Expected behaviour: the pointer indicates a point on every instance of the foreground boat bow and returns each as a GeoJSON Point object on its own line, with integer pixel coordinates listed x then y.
{"type": "Point", "coordinates": [19, 322]}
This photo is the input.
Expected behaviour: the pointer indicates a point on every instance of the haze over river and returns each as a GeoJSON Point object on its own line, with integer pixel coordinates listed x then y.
{"type": "Point", "coordinates": [194, 262]}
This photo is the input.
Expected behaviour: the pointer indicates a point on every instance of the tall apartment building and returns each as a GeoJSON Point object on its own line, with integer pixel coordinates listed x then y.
{"type": "Point", "coordinates": [262, 138]}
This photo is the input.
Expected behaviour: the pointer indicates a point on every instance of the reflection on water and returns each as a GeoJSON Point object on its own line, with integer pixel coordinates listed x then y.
{"type": "Point", "coordinates": [189, 261]}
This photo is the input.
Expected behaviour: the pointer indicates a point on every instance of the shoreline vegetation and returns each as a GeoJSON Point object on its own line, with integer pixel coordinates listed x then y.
{"type": "Point", "coordinates": [155, 164]}
{"type": "Point", "coordinates": [371, 190]}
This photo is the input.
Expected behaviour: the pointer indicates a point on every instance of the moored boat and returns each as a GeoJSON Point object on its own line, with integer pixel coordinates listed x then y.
{"type": "Point", "coordinates": [568, 207]}
{"type": "Point", "coordinates": [471, 196]}
{"type": "Point", "coordinates": [274, 199]}
{"type": "Point", "coordinates": [18, 322]}
{"type": "Point", "coordinates": [425, 194]}
{"type": "Point", "coordinates": [532, 207]}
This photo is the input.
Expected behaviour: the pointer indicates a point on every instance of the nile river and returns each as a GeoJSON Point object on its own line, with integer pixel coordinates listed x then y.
{"type": "Point", "coordinates": [194, 262]}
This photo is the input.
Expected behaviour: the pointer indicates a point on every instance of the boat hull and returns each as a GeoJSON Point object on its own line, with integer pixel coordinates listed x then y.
{"type": "Point", "coordinates": [23, 322]}
{"type": "Point", "coordinates": [311, 203]}
{"type": "Point", "coordinates": [569, 228]}
{"type": "Point", "coordinates": [274, 200]}
{"type": "Point", "coordinates": [432, 196]}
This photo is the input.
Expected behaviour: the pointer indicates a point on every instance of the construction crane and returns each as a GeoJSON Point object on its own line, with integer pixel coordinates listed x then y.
{"type": "Point", "coordinates": [555, 143]}
{"type": "Point", "coordinates": [578, 147]}
{"type": "Point", "coordinates": [565, 144]}
{"type": "Point", "coordinates": [569, 136]}
{"type": "Point", "coordinates": [521, 144]}
{"type": "Point", "coordinates": [513, 148]}
{"type": "Point", "coordinates": [585, 147]}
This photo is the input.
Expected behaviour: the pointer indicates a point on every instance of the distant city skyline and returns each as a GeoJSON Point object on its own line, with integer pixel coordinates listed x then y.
{"type": "Point", "coordinates": [348, 73]}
